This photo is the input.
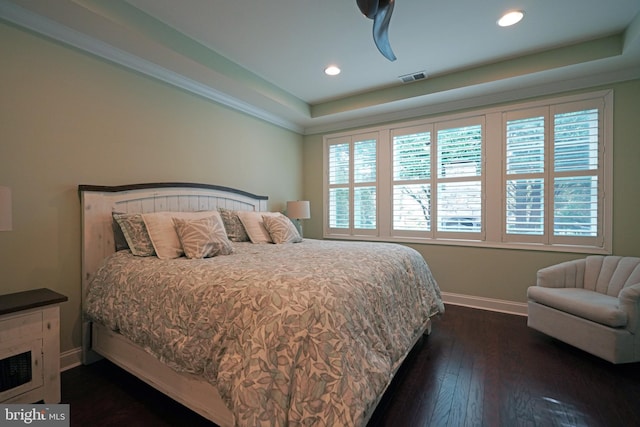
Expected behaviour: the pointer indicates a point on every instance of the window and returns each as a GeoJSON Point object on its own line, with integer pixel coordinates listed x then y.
{"type": "Point", "coordinates": [460, 179]}
{"type": "Point", "coordinates": [525, 167]}
{"type": "Point", "coordinates": [339, 178]}
{"type": "Point", "coordinates": [412, 180]}
{"type": "Point", "coordinates": [535, 175]}
{"type": "Point", "coordinates": [576, 155]}
{"type": "Point", "coordinates": [552, 158]}
{"type": "Point", "coordinates": [352, 182]}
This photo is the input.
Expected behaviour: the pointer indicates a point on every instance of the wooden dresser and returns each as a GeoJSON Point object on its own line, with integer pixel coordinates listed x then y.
{"type": "Point", "coordinates": [30, 346]}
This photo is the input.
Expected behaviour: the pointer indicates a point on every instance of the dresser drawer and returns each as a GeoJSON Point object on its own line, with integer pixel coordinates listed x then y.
{"type": "Point", "coordinates": [20, 327]}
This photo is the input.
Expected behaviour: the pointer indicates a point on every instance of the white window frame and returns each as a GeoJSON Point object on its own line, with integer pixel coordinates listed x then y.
{"type": "Point", "coordinates": [410, 130]}
{"type": "Point", "coordinates": [507, 116]}
{"type": "Point", "coordinates": [351, 231]}
{"type": "Point", "coordinates": [443, 125]}
{"type": "Point", "coordinates": [493, 179]}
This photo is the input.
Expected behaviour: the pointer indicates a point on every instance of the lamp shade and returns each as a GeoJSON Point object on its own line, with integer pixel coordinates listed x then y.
{"type": "Point", "coordinates": [5, 209]}
{"type": "Point", "coordinates": [299, 209]}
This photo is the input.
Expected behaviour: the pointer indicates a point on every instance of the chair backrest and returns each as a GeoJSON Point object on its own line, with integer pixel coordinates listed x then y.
{"type": "Point", "coordinates": [610, 274]}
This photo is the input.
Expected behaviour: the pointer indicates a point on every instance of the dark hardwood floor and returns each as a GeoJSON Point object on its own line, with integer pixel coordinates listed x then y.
{"type": "Point", "coordinates": [477, 368]}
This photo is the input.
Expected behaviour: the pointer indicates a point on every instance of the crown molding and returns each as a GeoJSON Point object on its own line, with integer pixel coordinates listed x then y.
{"type": "Point", "coordinates": [56, 31]}
{"type": "Point", "coordinates": [520, 92]}
{"type": "Point", "coordinates": [294, 117]}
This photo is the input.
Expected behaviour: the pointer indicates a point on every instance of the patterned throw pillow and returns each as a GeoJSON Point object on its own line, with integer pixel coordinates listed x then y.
{"type": "Point", "coordinates": [233, 225]}
{"type": "Point", "coordinates": [162, 231]}
{"type": "Point", "coordinates": [203, 238]}
{"type": "Point", "coordinates": [281, 229]}
{"type": "Point", "coordinates": [135, 233]}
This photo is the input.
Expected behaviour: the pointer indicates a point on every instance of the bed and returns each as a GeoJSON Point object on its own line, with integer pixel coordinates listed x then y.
{"type": "Point", "coordinates": [305, 333]}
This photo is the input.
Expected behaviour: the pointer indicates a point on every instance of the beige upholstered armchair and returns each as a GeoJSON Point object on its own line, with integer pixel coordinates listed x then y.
{"type": "Point", "coordinates": [592, 304]}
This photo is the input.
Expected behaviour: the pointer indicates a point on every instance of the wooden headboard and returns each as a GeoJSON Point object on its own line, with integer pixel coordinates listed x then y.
{"type": "Point", "coordinates": [99, 202]}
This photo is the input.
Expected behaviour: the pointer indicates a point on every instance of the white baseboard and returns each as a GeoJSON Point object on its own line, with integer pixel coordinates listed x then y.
{"type": "Point", "coordinates": [502, 306]}
{"type": "Point", "coordinates": [70, 359]}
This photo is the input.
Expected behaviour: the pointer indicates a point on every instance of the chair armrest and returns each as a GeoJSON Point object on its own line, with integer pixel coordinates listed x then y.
{"type": "Point", "coordinates": [629, 298]}
{"type": "Point", "coordinates": [569, 274]}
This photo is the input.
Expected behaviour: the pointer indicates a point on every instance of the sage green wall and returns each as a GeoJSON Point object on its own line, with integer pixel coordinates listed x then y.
{"type": "Point", "coordinates": [68, 118]}
{"type": "Point", "coordinates": [505, 274]}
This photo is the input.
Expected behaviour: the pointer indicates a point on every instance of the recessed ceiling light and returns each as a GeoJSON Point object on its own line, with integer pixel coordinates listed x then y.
{"type": "Point", "coordinates": [511, 18]}
{"type": "Point", "coordinates": [332, 70]}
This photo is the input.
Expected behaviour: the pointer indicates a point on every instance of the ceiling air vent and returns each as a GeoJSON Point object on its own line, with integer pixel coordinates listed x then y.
{"type": "Point", "coordinates": [408, 78]}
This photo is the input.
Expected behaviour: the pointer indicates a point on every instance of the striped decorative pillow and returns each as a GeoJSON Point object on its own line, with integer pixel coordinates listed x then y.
{"type": "Point", "coordinates": [233, 225]}
{"type": "Point", "coordinates": [162, 231]}
{"type": "Point", "coordinates": [254, 225]}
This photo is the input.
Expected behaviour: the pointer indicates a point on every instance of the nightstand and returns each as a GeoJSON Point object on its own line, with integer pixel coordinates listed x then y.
{"type": "Point", "coordinates": [30, 346]}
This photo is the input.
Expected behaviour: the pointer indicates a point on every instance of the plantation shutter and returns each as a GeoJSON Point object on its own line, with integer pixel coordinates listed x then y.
{"type": "Point", "coordinates": [365, 184]}
{"type": "Point", "coordinates": [339, 191]}
{"type": "Point", "coordinates": [411, 165]}
{"type": "Point", "coordinates": [459, 180]}
{"type": "Point", "coordinates": [577, 191]}
{"type": "Point", "coordinates": [352, 164]}
{"type": "Point", "coordinates": [525, 169]}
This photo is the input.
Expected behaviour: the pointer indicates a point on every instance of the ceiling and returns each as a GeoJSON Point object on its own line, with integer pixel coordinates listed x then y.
{"type": "Point", "coordinates": [266, 58]}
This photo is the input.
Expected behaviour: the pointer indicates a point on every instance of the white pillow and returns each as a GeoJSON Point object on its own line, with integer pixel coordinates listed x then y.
{"type": "Point", "coordinates": [162, 231]}
{"type": "Point", "coordinates": [254, 226]}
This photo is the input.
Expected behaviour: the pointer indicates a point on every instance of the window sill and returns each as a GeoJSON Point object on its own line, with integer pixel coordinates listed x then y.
{"type": "Point", "coordinates": [478, 244]}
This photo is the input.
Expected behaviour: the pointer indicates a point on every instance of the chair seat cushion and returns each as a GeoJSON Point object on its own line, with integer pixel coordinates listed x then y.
{"type": "Point", "coordinates": [580, 302]}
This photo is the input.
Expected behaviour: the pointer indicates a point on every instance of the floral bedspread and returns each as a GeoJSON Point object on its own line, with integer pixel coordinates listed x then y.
{"type": "Point", "coordinates": [296, 334]}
